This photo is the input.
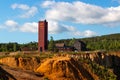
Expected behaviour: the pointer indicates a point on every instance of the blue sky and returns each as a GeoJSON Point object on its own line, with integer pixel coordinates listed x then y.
{"type": "Point", "coordinates": [66, 19]}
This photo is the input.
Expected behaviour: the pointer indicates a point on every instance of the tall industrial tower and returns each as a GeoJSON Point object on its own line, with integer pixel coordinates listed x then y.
{"type": "Point", "coordinates": [42, 36]}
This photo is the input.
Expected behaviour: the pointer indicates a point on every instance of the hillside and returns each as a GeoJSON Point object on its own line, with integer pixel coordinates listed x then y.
{"type": "Point", "coordinates": [109, 42]}
{"type": "Point", "coordinates": [106, 42]}
{"type": "Point", "coordinates": [109, 36]}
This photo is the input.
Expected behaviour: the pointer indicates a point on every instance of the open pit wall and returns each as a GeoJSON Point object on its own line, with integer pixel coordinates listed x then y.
{"type": "Point", "coordinates": [23, 63]}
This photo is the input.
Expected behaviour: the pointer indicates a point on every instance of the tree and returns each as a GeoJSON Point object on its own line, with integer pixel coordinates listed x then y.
{"type": "Point", "coordinates": [3, 47]}
{"type": "Point", "coordinates": [51, 45]}
{"type": "Point", "coordinates": [71, 42]}
{"type": "Point", "coordinates": [14, 47]}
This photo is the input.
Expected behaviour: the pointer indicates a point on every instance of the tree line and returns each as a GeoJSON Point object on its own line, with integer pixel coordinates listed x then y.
{"type": "Point", "coordinates": [106, 42]}
{"type": "Point", "coordinates": [13, 46]}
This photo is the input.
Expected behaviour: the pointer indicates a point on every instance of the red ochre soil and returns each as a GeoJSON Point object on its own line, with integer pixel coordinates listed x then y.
{"type": "Point", "coordinates": [12, 68]}
{"type": "Point", "coordinates": [56, 68]}
{"type": "Point", "coordinates": [65, 68]}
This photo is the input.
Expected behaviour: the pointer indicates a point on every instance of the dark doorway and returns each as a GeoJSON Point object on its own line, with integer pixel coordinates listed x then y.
{"type": "Point", "coordinates": [40, 49]}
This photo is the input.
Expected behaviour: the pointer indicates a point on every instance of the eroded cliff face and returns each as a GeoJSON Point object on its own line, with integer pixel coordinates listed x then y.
{"type": "Point", "coordinates": [10, 61]}
{"type": "Point", "coordinates": [65, 68]}
{"type": "Point", "coordinates": [105, 59]}
{"type": "Point", "coordinates": [29, 63]}
{"type": "Point", "coordinates": [109, 60]}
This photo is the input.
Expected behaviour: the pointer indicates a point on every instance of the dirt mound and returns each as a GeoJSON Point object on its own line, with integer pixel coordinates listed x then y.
{"type": "Point", "coordinates": [29, 63]}
{"type": "Point", "coordinates": [64, 68]}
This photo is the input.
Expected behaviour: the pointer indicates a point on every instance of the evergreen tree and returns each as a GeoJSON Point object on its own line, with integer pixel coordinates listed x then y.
{"type": "Point", "coordinates": [15, 47]}
{"type": "Point", "coordinates": [51, 45]}
{"type": "Point", "coordinates": [71, 42]}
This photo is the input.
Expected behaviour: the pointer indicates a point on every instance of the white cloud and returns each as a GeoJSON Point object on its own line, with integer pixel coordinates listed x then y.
{"type": "Point", "coordinates": [86, 33]}
{"type": "Point", "coordinates": [11, 25]}
{"type": "Point", "coordinates": [20, 6]}
{"type": "Point", "coordinates": [48, 3]}
{"type": "Point", "coordinates": [30, 13]}
{"type": "Point", "coordinates": [29, 27]}
{"type": "Point", "coordinates": [55, 27]}
{"type": "Point", "coordinates": [80, 12]}
{"type": "Point", "coordinates": [27, 11]}
{"type": "Point", "coordinates": [77, 12]}
{"type": "Point", "coordinates": [89, 33]}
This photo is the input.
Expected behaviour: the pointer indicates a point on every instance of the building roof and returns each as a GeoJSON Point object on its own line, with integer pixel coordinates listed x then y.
{"type": "Point", "coordinates": [60, 44]}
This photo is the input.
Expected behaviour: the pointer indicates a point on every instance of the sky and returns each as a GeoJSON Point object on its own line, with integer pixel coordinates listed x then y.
{"type": "Point", "coordinates": [66, 19]}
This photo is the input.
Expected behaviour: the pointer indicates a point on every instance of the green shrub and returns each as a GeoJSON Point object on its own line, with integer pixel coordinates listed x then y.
{"type": "Point", "coordinates": [103, 72]}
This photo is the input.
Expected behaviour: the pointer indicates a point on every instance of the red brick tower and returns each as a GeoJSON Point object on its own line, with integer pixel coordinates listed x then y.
{"type": "Point", "coordinates": [42, 36]}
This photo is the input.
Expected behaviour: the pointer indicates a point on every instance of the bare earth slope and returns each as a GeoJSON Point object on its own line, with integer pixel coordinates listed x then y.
{"type": "Point", "coordinates": [65, 68]}
{"type": "Point", "coordinates": [56, 68]}
{"type": "Point", "coordinates": [8, 73]}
